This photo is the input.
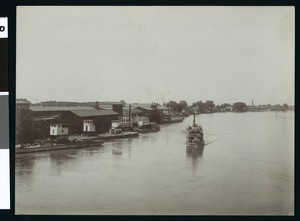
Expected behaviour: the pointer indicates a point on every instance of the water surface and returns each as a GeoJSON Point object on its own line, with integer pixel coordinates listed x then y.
{"type": "Point", "coordinates": [246, 168]}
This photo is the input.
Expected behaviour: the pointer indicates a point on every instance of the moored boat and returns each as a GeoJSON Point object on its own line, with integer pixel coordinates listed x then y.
{"type": "Point", "coordinates": [166, 117]}
{"type": "Point", "coordinates": [171, 118]}
{"type": "Point", "coordinates": [144, 125]}
{"type": "Point", "coordinates": [118, 135]}
{"type": "Point", "coordinates": [76, 144]}
{"type": "Point", "coordinates": [176, 118]}
{"type": "Point", "coordinates": [121, 128]}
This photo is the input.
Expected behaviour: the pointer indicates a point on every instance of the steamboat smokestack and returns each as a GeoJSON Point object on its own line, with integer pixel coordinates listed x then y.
{"type": "Point", "coordinates": [129, 112]}
{"type": "Point", "coordinates": [194, 122]}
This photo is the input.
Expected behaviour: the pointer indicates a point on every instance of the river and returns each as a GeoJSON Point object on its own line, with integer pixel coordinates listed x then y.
{"type": "Point", "coordinates": [245, 168]}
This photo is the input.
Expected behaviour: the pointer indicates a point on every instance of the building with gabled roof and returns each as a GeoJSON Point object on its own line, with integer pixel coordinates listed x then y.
{"type": "Point", "coordinates": [134, 112]}
{"type": "Point", "coordinates": [150, 110]}
{"type": "Point", "coordinates": [145, 106]}
{"type": "Point", "coordinates": [117, 107]}
{"type": "Point", "coordinates": [101, 119]}
{"type": "Point", "coordinates": [22, 104]}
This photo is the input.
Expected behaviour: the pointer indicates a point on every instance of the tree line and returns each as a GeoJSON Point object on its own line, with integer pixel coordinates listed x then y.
{"type": "Point", "coordinates": [209, 107]}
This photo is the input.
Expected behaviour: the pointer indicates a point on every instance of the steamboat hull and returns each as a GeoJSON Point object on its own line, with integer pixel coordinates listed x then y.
{"type": "Point", "coordinates": [148, 130]}
{"type": "Point", "coordinates": [118, 136]}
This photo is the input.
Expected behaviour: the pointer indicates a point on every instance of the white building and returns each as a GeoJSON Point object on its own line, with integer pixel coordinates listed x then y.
{"type": "Point", "coordinates": [58, 129]}
{"type": "Point", "coordinates": [88, 126]}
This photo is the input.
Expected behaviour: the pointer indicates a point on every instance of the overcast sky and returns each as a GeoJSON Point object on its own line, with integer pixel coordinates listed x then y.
{"type": "Point", "coordinates": [144, 54]}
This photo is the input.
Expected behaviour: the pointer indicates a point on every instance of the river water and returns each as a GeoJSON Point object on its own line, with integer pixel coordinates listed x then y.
{"type": "Point", "coordinates": [245, 168]}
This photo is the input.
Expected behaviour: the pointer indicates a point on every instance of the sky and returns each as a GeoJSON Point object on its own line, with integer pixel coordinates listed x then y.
{"type": "Point", "coordinates": [156, 54]}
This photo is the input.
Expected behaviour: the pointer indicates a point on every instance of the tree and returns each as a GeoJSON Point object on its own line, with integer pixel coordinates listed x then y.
{"type": "Point", "coordinates": [183, 103]}
{"type": "Point", "coordinates": [201, 106]}
{"type": "Point", "coordinates": [177, 107]}
{"type": "Point", "coordinates": [24, 133]}
{"type": "Point", "coordinates": [224, 105]}
{"type": "Point", "coordinates": [172, 104]}
{"type": "Point", "coordinates": [218, 108]}
{"type": "Point", "coordinates": [239, 107]}
{"type": "Point", "coordinates": [26, 130]}
{"type": "Point", "coordinates": [209, 105]}
{"type": "Point", "coordinates": [277, 107]}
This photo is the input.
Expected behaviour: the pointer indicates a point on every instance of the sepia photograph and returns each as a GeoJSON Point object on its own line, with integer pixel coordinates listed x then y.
{"type": "Point", "coordinates": [161, 110]}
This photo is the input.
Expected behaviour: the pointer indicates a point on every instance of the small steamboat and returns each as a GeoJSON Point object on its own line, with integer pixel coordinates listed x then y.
{"type": "Point", "coordinates": [195, 135]}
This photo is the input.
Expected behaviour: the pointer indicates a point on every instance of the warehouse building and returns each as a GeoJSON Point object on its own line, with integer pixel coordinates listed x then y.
{"type": "Point", "coordinates": [99, 119]}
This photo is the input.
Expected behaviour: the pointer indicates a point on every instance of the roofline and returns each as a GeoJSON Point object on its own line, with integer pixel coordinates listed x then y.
{"type": "Point", "coordinates": [111, 114]}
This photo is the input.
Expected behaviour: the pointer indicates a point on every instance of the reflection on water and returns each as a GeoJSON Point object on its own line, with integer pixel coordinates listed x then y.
{"type": "Point", "coordinates": [117, 150]}
{"type": "Point", "coordinates": [117, 146]}
{"type": "Point", "coordinates": [26, 173]}
{"type": "Point", "coordinates": [195, 154]}
{"type": "Point", "coordinates": [248, 171]}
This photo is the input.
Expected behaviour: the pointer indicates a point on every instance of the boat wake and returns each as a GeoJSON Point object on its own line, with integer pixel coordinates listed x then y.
{"type": "Point", "coordinates": [206, 143]}
{"type": "Point", "coordinates": [218, 133]}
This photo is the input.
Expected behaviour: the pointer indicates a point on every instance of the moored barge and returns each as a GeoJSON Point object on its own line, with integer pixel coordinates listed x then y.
{"type": "Point", "coordinates": [53, 147]}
